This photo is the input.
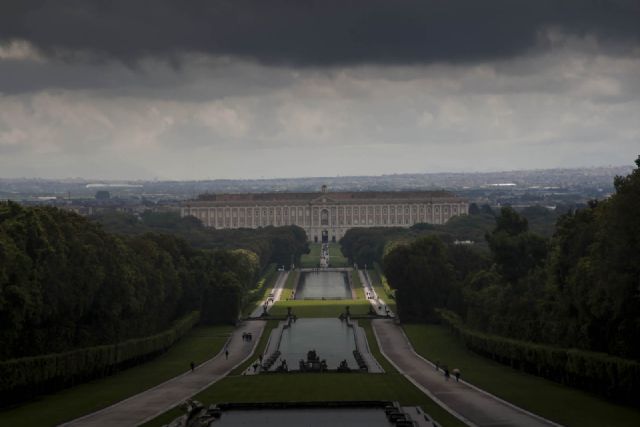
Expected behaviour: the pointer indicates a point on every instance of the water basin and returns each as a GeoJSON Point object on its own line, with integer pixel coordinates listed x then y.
{"type": "Point", "coordinates": [323, 285]}
{"type": "Point", "coordinates": [332, 340]}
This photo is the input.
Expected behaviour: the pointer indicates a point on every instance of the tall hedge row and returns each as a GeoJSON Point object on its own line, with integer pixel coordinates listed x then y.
{"type": "Point", "coordinates": [600, 373]}
{"type": "Point", "coordinates": [28, 376]}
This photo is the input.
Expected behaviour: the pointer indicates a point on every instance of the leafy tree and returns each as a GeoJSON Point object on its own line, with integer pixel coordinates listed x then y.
{"type": "Point", "coordinates": [515, 250]}
{"type": "Point", "coordinates": [474, 209]}
{"type": "Point", "coordinates": [422, 275]}
{"type": "Point", "coordinates": [66, 283]}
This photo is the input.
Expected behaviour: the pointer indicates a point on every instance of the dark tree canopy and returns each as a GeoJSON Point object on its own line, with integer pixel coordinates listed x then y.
{"type": "Point", "coordinates": [578, 289]}
{"type": "Point", "coordinates": [66, 283]}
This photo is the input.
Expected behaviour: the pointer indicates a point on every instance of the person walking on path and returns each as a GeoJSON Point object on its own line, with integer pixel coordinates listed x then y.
{"type": "Point", "coordinates": [226, 353]}
{"type": "Point", "coordinates": [193, 366]}
{"type": "Point", "coordinates": [446, 373]}
{"type": "Point", "coordinates": [456, 373]}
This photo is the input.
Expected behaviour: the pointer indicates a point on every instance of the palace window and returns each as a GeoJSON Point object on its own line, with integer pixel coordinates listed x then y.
{"type": "Point", "coordinates": [324, 217]}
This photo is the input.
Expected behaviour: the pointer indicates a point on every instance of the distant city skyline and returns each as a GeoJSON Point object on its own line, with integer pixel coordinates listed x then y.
{"type": "Point", "coordinates": [277, 89]}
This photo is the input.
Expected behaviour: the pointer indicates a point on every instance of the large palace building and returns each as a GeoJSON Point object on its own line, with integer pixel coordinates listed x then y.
{"type": "Point", "coordinates": [325, 216]}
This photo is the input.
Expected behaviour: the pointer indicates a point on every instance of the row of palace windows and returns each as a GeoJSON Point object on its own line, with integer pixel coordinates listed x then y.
{"type": "Point", "coordinates": [370, 215]}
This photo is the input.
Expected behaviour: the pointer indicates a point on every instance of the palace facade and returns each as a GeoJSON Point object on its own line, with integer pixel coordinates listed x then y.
{"type": "Point", "coordinates": [325, 216]}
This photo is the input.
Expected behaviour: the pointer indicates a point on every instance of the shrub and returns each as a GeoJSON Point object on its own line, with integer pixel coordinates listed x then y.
{"type": "Point", "coordinates": [600, 373]}
{"type": "Point", "coordinates": [28, 376]}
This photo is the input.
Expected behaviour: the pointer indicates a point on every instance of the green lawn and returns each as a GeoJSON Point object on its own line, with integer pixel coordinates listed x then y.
{"type": "Point", "coordinates": [319, 308]}
{"type": "Point", "coordinates": [557, 402]}
{"type": "Point", "coordinates": [312, 259]}
{"type": "Point", "coordinates": [357, 285]}
{"type": "Point", "coordinates": [336, 259]}
{"type": "Point", "coordinates": [292, 280]}
{"type": "Point", "coordinates": [199, 345]}
{"type": "Point", "coordinates": [319, 387]}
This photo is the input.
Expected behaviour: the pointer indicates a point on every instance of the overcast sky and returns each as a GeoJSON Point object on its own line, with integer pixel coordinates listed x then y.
{"type": "Point", "coordinates": [172, 89]}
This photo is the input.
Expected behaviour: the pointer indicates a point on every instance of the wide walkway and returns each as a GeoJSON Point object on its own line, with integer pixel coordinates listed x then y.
{"type": "Point", "coordinates": [471, 405]}
{"type": "Point", "coordinates": [153, 402]}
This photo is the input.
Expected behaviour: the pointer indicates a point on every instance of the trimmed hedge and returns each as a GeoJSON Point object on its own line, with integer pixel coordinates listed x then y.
{"type": "Point", "coordinates": [29, 376]}
{"type": "Point", "coordinates": [611, 376]}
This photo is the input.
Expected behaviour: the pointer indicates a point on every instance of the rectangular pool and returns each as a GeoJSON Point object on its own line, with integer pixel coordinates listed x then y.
{"type": "Point", "coordinates": [323, 284]}
{"type": "Point", "coordinates": [332, 340]}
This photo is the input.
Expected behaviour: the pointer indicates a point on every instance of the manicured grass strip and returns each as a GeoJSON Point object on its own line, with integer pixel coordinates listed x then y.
{"type": "Point", "coordinates": [320, 308]}
{"type": "Point", "coordinates": [312, 259]}
{"type": "Point", "coordinates": [357, 284]}
{"type": "Point", "coordinates": [373, 346]}
{"type": "Point", "coordinates": [292, 280]}
{"type": "Point", "coordinates": [199, 345]}
{"type": "Point", "coordinates": [336, 258]}
{"type": "Point", "coordinates": [562, 404]}
{"type": "Point", "coordinates": [290, 284]}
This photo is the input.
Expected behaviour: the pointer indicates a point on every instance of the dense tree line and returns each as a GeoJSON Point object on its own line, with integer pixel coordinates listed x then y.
{"type": "Point", "coordinates": [66, 283]}
{"type": "Point", "coordinates": [368, 245]}
{"type": "Point", "coordinates": [280, 245]}
{"type": "Point", "coordinates": [566, 307]}
{"type": "Point", "coordinates": [601, 373]}
{"type": "Point", "coordinates": [578, 289]}
{"type": "Point", "coordinates": [26, 377]}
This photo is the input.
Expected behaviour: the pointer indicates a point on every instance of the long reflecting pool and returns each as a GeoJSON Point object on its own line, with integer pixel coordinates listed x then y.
{"type": "Point", "coordinates": [332, 340]}
{"type": "Point", "coordinates": [323, 284]}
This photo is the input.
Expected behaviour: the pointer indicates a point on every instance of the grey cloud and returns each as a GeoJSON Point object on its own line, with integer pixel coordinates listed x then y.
{"type": "Point", "coordinates": [313, 33]}
{"type": "Point", "coordinates": [150, 78]}
{"type": "Point", "coordinates": [226, 119]}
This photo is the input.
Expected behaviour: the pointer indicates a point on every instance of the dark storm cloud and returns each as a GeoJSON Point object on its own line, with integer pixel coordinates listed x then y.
{"type": "Point", "coordinates": [324, 32]}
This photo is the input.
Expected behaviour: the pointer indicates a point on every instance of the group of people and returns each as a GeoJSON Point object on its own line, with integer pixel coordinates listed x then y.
{"type": "Point", "coordinates": [343, 366]}
{"type": "Point", "coordinates": [247, 336]}
{"type": "Point", "coordinates": [283, 366]}
{"type": "Point", "coordinates": [447, 373]}
{"type": "Point", "coordinates": [257, 364]}
{"type": "Point", "coordinates": [324, 256]}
